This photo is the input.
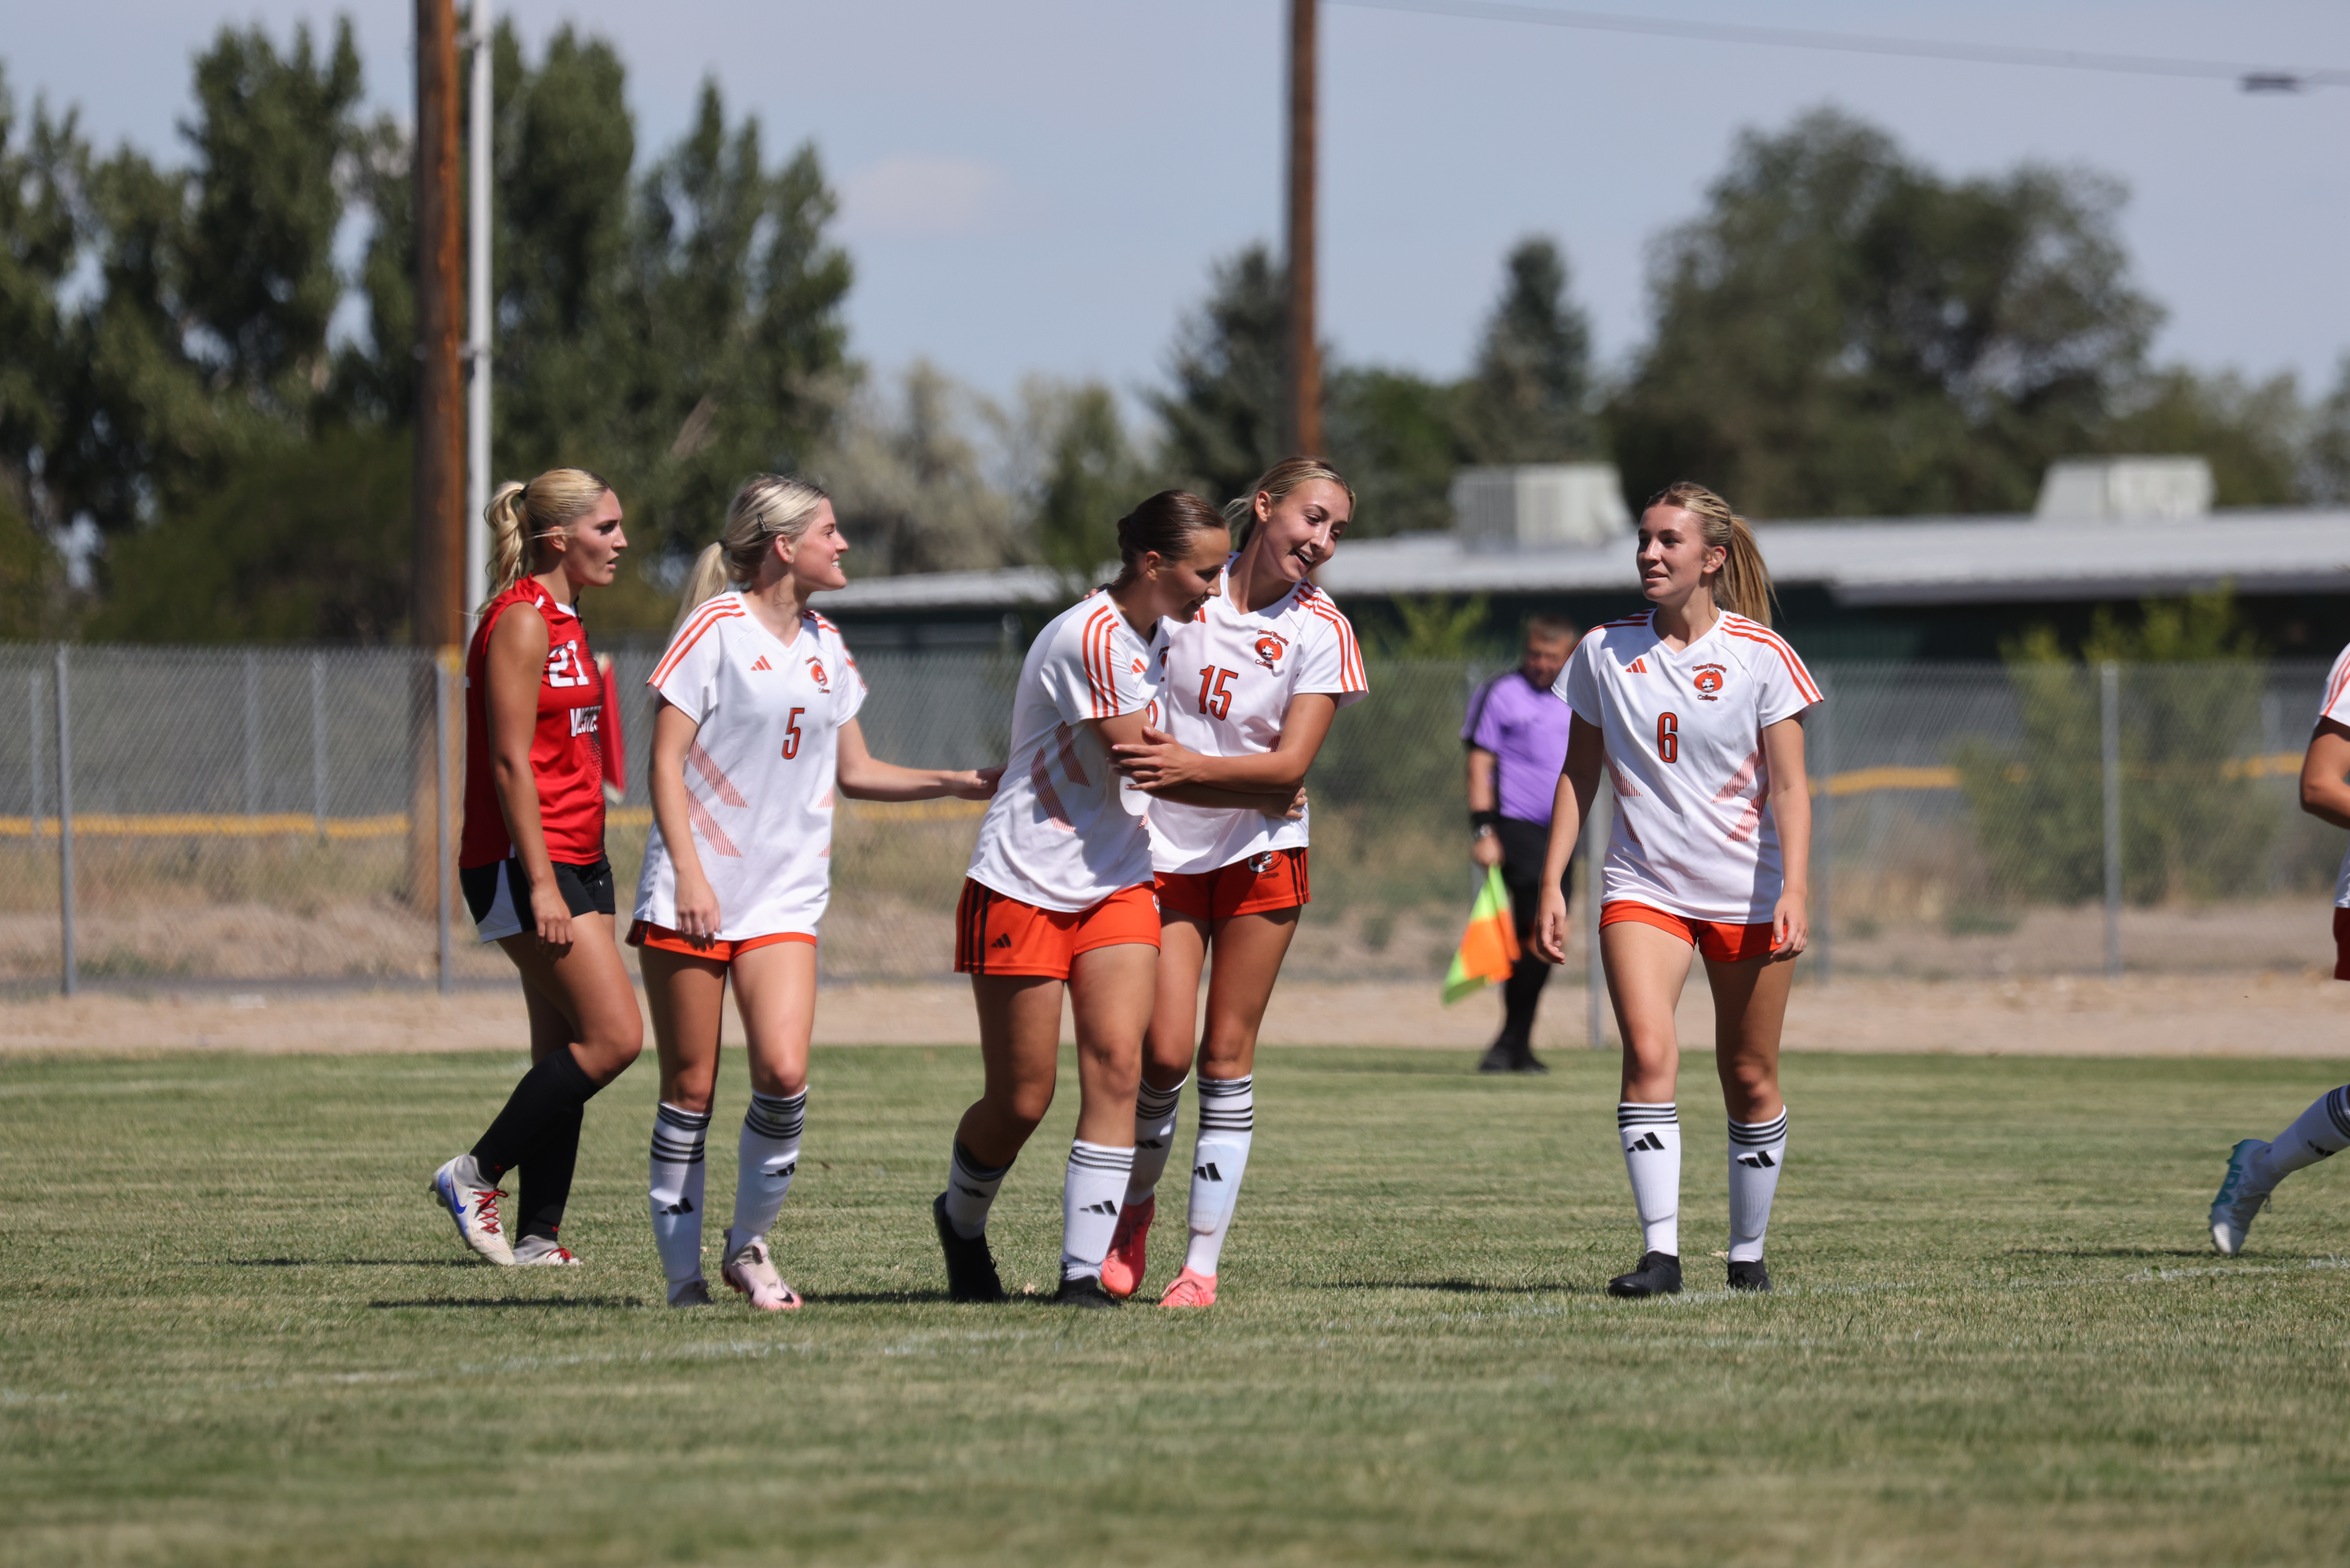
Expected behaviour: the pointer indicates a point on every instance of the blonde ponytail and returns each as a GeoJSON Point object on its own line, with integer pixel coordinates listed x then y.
{"type": "Point", "coordinates": [768, 507]}
{"type": "Point", "coordinates": [520, 515]}
{"type": "Point", "coordinates": [1240, 513]}
{"type": "Point", "coordinates": [1742, 585]}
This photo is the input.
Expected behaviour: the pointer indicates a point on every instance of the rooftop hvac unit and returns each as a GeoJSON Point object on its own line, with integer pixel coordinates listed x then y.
{"type": "Point", "coordinates": [1537, 506]}
{"type": "Point", "coordinates": [2124, 489]}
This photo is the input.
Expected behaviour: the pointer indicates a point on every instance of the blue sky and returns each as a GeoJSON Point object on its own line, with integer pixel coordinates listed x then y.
{"type": "Point", "coordinates": [1040, 185]}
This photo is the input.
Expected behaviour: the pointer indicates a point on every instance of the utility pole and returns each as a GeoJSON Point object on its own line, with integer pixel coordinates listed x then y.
{"type": "Point", "coordinates": [477, 347]}
{"type": "Point", "coordinates": [1305, 353]}
{"type": "Point", "coordinates": [437, 610]}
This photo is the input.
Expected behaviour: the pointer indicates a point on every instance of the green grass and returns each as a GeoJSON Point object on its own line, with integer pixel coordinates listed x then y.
{"type": "Point", "coordinates": [233, 1330]}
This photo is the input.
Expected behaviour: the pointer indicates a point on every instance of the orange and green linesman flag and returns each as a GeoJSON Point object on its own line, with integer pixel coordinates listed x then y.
{"type": "Point", "coordinates": [1489, 947]}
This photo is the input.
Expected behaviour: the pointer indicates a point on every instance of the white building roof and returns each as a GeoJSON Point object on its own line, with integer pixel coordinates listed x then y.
{"type": "Point", "coordinates": [1865, 561]}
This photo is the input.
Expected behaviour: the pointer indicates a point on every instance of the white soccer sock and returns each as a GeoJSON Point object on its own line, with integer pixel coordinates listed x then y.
{"type": "Point", "coordinates": [1154, 1139]}
{"type": "Point", "coordinates": [1090, 1191]}
{"type": "Point", "coordinates": [765, 1159]}
{"type": "Point", "coordinates": [1227, 1122]}
{"type": "Point", "coordinates": [1758, 1150]}
{"type": "Point", "coordinates": [2320, 1131]}
{"type": "Point", "coordinates": [677, 1190]}
{"type": "Point", "coordinates": [1651, 1135]}
{"type": "Point", "coordinates": [971, 1190]}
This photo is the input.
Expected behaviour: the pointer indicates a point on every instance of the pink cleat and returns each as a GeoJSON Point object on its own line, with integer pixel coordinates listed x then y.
{"type": "Point", "coordinates": [1122, 1269]}
{"type": "Point", "coordinates": [1190, 1289]}
{"type": "Point", "coordinates": [750, 1270]}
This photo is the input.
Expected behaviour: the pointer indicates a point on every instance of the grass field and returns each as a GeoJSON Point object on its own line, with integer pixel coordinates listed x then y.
{"type": "Point", "coordinates": [233, 1330]}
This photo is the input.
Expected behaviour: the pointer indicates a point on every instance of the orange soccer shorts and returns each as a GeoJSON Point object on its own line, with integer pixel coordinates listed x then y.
{"type": "Point", "coordinates": [1275, 879]}
{"type": "Point", "coordinates": [644, 933]}
{"type": "Point", "coordinates": [998, 935]}
{"type": "Point", "coordinates": [1722, 941]}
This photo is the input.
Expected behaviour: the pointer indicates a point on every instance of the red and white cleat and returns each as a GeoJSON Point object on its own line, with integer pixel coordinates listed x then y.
{"type": "Point", "coordinates": [1190, 1290]}
{"type": "Point", "coordinates": [473, 1203]}
{"type": "Point", "coordinates": [750, 1270]}
{"type": "Point", "coordinates": [543, 1252]}
{"type": "Point", "coordinates": [1122, 1269]}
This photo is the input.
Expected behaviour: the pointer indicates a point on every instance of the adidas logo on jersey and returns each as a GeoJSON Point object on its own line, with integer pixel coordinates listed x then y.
{"type": "Point", "coordinates": [1638, 667]}
{"type": "Point", "coordinates": [1002, 941]}
{"type": "Point", "coordinates": [760, 663]}
{"type": "Point", "coordinates": [1648, 1143]}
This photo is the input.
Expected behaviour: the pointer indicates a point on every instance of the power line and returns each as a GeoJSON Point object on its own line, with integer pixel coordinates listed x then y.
{"type": "Point", "coordinates": [2251, 78]}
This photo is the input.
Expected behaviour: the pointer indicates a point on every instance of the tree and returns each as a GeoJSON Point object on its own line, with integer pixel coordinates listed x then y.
{"type": "Point", "coordinates": [42, 169]}
{"type": "Point", "coordinates": [1075, 474]}
{"type": "Point", "coordinates": [908, 484]}
{"type": "Point", "coordinates": [2252, 433]}
{"type": "Point", "coordinates": [1399, 438]}
{"type": "Point", "coordinates": [1223, 420]}
{"type": "Point", "coordinates": [1841, 332]}
{"type": "Point", "coordinates": [1528, 399]}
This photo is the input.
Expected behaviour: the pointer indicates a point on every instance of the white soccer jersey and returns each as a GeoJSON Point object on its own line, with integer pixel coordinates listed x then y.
{"type": "Point", "coordinates": [1693, 835]}
{"type": "Point", "coordinates": [2337, 707]}
{"type": "Point", "coordinates": [1064, 831]}
{"type": "Point", "coordinates": [1230, 676]}
{"type": "Point", "coordinates": [759, 772]}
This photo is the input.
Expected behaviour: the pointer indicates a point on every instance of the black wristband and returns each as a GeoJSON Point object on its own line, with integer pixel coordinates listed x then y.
{"type": "Point", "coordinates": [1484, 819]}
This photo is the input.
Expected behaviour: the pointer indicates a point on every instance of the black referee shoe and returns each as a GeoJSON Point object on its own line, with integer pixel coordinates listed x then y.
{"type": "Point", "coordinates": [1087, 1292]}
{"type": "Point", "coordinates": [971, 1272]}
{"type": "Point", "coordinates": [1750, 1276]}
{"type": "Point", "coordinates": [1659, 1274]}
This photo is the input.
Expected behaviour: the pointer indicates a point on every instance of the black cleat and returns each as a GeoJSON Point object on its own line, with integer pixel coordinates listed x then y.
{"type": "Point", "coordinates": [1085, 1291]}
{"type": "Point", "coordinates": [1526, 1063]}
{"type": "Point", "coordinates": [1498, 1058]}
{"type": "Point", "coordinates": [971, 1272]}
{"type": "Point", "coordinates": [1659, 1274]}
{"type": "Point", "coordinates": [1750, 1276]}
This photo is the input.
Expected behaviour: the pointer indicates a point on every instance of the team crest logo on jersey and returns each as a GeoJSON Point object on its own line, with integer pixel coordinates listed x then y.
{"type": "Point", "coordinates": [816, 669]}
{"type": "Point", "coordinates": [1708, 681]}
{"type": "Point", "coordinates": [1270, 647]}
{"type": "Point", "coordinates": [1258, 865]}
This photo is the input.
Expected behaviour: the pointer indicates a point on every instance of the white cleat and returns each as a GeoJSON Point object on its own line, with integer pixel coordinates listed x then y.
{"type": "Point", "coordinates": [543, 1252]}
{"type": "Point", "coordinates": [691, 1293]}
{"type": "Point", "coordinates": [751, 1270]}
{"type": "Point", "coordinates": [473, 1203]}
{"type": "Point", "coordinates": [2232, 1211]}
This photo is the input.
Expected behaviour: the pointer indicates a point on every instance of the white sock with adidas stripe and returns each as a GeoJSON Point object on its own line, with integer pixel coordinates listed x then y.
{"type": "Point", "coordinates": [675, 1188]}
{"type": "Point", "coordinates": [1758, 1150]}
{"type": "Point", "coordinates": [1091, 1191]}
{"type": "Point", "coordinates": [1651, 1135]}
{"type": "Point", "coordinates": [2317, 1133]}
{"type": "Point", "coordinates": [1227, 1124]}
{"type": "Point", "coordinates": [1154, 1139]}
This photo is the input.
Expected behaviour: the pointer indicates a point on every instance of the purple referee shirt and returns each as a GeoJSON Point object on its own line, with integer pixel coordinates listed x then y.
{"type": "Point", "coordinates": [1525, 727]}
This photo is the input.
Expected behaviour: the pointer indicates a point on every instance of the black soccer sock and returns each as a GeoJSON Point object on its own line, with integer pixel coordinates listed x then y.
{"type": "Point", "coordinates": [1519, 996]}
{"type": "Point", "coordinates": [555, 1087]}
{"type": "Point", "coordinates": [546, 1174]}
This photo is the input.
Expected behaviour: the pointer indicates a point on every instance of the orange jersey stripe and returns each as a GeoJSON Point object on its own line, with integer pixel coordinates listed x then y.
{"type": "Point", "coordinates": [1350, 656]}
{"type": "Point", "coordinates": [1101, 679]}
{"type": "Point", "coordinates": [692, 634]}
{"type": "Point", "coordinates": [1778, 645]}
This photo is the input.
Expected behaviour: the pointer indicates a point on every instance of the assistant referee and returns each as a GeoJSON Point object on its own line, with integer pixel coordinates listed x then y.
{"type": "Point", "coordinates": [1516, 737]}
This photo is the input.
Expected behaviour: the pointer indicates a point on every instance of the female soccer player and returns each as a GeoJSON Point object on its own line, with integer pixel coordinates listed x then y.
{"type": "Point", "coordinates": [1695, 710]}
{"type": "Point", "coordinates": [1059, 898]}
{"type": "Point", "coordinates": [531, 861]}
{"type": "Point", "coordinates": [1254, 680]}
{"type": "Point", "coordinates": [2323, 1130]}
{"type": "Point", "coordinates": [757, 727]}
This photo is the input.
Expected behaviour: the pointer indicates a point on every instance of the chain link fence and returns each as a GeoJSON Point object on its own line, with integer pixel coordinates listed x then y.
{"type": "Point", "coordinates": [183, 817]}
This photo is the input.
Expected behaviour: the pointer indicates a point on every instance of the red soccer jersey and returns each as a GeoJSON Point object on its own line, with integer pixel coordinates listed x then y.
{"type": "Point", "coordinates": [566, 752]}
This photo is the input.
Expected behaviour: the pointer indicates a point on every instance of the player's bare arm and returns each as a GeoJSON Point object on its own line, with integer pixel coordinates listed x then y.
{"type": "Point", "coordinates": [862, 776]}
{"type": "Point", "coordinates": [1484, 796]}
{"type": "Point", "coordinates": [1159, 761]}
{"type": "Point", "coordinates": [698, 915]}
{"type": "Point", "coordinates": [1132, 730]}
{"type": "Point", "coordinates": [517, 662]}
{"type": "Point", "coordinates": [1578, 782]}
{"type": "Point", "coordinates": [1790, 805]}
{"type": "Point", "coordinates": [2325, 774]}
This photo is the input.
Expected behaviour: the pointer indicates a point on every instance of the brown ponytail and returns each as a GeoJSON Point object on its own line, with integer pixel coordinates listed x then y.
{"type": "Point", "coordinates": [1164, 525]}
{"type": "Point", "coordinates": [1742, 585]}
